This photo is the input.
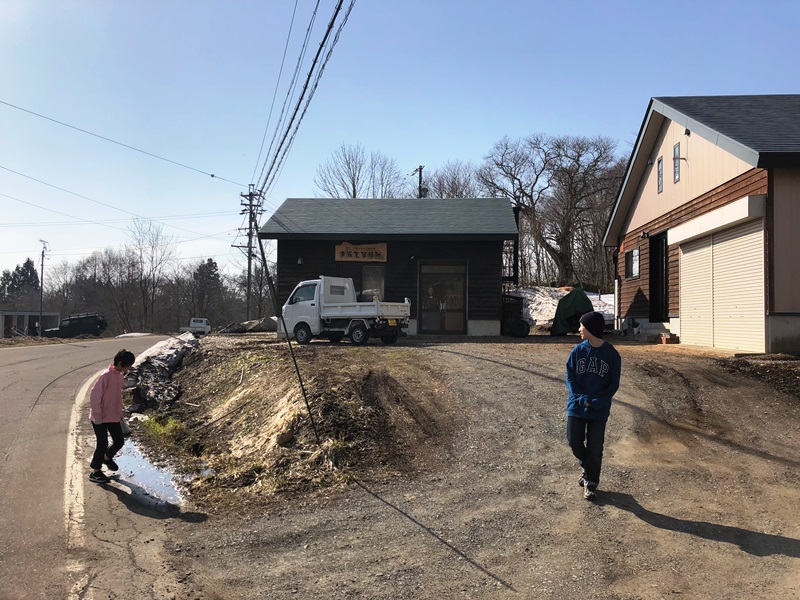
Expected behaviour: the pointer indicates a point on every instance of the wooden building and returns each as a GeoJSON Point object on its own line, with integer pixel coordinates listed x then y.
{"type": "Point", "coordinates": [707, 223]}
{"type": "Point", "coordinates": [446, 255]}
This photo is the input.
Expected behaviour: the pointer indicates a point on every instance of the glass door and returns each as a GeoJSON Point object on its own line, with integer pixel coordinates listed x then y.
{"type": "Point", "coordinates": [443, 298]}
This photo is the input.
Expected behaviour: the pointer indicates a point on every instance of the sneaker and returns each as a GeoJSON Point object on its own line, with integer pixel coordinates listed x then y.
{"type": "Point", "coordinates": [582, 481]}
{"type": "Point", "coordinates": [111, 464]}
{"type": "Point", "coordinates": [98, 477]}
{"type": "Point", "coordinates": [590, 491]}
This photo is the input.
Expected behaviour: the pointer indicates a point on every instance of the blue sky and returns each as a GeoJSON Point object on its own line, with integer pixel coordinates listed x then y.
{"type": "Point", "coordinates": [422, 82]}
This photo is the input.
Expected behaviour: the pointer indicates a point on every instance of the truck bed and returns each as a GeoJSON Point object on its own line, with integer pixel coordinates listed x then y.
{"type": "Point", "coordinates": [383, 310]}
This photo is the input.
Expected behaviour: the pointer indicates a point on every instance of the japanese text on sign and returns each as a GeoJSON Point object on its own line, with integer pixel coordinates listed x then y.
{"type": "Point", "coordinates": [361, 252]}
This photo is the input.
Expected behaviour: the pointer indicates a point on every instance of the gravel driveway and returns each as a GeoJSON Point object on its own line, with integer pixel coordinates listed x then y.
{"type": "Point", "coordinates": [698, 497]}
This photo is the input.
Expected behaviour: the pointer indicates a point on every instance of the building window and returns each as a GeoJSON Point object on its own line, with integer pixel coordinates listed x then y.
{"type": "Point", "coordinates": [660, 174]}
{"type": "Point", "coordinates": [676, 162]}
{"type": "Point", "coordinates": [372, 281]}
{"type": "Point", "coordinates": [632, 264]}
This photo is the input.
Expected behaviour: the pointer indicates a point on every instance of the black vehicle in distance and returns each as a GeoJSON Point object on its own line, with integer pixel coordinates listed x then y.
{"type": "Point", "coordinates": [75, 325]}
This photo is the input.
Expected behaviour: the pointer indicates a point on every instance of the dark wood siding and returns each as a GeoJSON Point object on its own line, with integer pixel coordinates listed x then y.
{"type": "Point", "coordinates": [634, 293]}
{"type": "Point", "coordinates": [483, 258]}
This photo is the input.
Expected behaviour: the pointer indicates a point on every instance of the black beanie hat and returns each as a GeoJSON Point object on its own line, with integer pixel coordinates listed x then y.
{"type": "Point", "coordinates": [594, 323]}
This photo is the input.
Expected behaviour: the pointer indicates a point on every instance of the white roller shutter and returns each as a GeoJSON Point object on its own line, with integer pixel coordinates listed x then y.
{"type": "Point", "coordinates": [696, 304]}
{"type": "Point", "coordinates": [722, 289]}
{"type": "Point", "coordinates": [739, 288]}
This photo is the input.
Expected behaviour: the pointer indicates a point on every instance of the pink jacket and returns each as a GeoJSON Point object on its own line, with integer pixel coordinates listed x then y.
{"type": "Point", "coordinates": [106, 398]}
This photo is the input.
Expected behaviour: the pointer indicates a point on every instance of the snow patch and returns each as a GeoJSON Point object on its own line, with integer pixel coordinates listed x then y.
{"type": "Point", "coordinates": [539, 304]}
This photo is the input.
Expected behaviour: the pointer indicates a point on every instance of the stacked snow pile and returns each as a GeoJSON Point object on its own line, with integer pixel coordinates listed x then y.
{"type": "Point", "coordinates": [266, 324]}
{"type": "Point", "coordinates": [539, 304]}
{"type": "Point", "coordinates": [603, 303]}
{"type": "Point", "coordinates": [151, 374]}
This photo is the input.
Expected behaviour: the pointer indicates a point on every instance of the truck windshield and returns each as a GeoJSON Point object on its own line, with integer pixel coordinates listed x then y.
{"type": "Point", "coordinates": [304, 293]}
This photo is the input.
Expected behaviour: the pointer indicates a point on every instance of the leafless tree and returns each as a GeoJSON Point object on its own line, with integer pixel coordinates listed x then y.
{"type": "Point", "coordinates": [455, 179]}
{"type": "Point", "coordinates": [152, 251]}
{"type": "Point", "coordinates": [563, 185]}
{"type": "Point", "coordinates": [117, 272]}
{"type": "Point", "coordinates": [60, 287]}
{"type": "Point", "coordinates": [351, 173]}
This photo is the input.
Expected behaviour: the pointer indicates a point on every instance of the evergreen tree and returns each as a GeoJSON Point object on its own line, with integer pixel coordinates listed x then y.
{"type": "Point", "coordinates": [20, 288]}
{"type": "Point", "coordinates": [5, 286]}
{"type": "Point", "coordinates": [207, 290]}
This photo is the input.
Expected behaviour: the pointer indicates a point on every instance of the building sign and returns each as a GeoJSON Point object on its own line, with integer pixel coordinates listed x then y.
{"type": "Point", "coordinates": [360, 252]}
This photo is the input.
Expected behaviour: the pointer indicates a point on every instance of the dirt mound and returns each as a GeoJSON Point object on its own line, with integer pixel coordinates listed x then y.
{"type": "Point", "coordinates": [241, 426]}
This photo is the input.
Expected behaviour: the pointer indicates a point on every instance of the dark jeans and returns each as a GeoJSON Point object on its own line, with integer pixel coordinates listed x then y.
{"type": "Point", "coordinates": [101, 432]}
{"type": "Point", "coordinates": [586, 438]}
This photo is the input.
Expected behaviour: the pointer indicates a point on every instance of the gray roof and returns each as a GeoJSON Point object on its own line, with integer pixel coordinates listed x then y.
{"type": "Point", "coordinates": [761, 130]}
{"type": "Point", "coordinates": [353, 219]}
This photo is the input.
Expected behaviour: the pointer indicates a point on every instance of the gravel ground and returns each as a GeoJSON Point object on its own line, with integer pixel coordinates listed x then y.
{"type": "Point", "coordinates": [698, 497]}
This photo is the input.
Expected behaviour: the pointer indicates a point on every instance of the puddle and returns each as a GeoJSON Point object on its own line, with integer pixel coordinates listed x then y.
{"type": "Point", "coordinates": [145, 478]}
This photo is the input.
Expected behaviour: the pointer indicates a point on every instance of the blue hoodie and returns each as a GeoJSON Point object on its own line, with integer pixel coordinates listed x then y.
{"type": "Point", "coordinates": [592, 380]}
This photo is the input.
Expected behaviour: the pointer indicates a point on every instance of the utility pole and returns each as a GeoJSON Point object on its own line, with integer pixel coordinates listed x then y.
{"type": "Point", "coordinates": [251, 209]}
{"type": "Point", "coordinates": [41, 288]}
{"type": "Point", "coordinates": [421, 191]}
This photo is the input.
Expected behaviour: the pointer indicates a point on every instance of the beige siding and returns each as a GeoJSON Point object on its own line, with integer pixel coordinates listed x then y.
{"type": "Point", "coordinates": [704, 167]}
{"type": "Point", "coordinates": [786, 241]}
{"type": "Point", "coordinates": [722, 289]}
{"type": "Point", "coordinates": [697, 308]}
{"type": "Point", "coordinates": [738, 284]}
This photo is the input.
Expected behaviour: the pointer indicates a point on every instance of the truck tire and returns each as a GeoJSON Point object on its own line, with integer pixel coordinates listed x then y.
{"type": "Point", "coordinates": [390, 338]}
{"type": "Point", "coordinates": [359, 334]}
{"type": "Point", "coordinates": [302, 334]}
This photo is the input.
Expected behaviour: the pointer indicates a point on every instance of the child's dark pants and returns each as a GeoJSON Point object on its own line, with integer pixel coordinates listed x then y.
{"type": "Point", "coordinates": [589, 454]}
{"type": "Point", "coordinates": [101, 432]}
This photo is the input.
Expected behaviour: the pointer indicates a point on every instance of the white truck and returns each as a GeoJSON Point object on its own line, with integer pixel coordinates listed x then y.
{"type": "Point", "coordinates": [197, 326]}
{"type": "Point", "coordinates": [328, 307]}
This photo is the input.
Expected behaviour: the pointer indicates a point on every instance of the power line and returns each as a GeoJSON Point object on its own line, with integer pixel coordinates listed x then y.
{"type": "Point", "coordinates": [317, 79]}
{"type": "Point", "coordinates": [212, 175]}
{"type": "Point", "coordinates": [268, 177]}
{"type": "Point", "coordinates": [277, 84]}
{"type": "Point", "coordinates": [292, 86]}
{"type": "Point", "coordinates": [107, 221]}
{"type": "Point", "coordinates": [299, 100]}
{"type": "Point", "coordinates": [59, 213]}
{"type": "Point", "coordinates": [66, 191]}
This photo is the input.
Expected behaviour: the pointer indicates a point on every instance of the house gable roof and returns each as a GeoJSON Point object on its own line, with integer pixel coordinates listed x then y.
{"type": "Point", "coordinates": [763, 131]}
{"type": "Point", "coordinates": [362, 219]}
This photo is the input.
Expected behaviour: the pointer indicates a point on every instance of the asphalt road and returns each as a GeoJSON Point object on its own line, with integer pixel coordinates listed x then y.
{"type": "Point", "coordinates": [38, 389]}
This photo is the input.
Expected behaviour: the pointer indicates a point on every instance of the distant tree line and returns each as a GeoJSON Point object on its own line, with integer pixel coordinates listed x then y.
{"type": "Point", "coordinates": [564, 187]}
{"type": "Point", "coordinates": [139, 287]}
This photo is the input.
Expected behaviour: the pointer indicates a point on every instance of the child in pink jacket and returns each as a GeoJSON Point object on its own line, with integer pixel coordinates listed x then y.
{"type": "Point", "coordinates": [105, 414]}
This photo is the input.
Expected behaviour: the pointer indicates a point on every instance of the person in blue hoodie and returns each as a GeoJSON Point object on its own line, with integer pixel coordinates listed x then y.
{"type": "Point", "coordinates": [593, 372]}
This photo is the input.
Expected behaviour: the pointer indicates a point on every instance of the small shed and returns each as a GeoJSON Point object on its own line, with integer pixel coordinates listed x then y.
{"type": "Point", "coordinates": [25, 322]}
{"type": "Point", "coordinates": [446, 255]}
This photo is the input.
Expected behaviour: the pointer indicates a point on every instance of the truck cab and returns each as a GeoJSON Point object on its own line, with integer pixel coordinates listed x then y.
{"type": "Point", "coordinates": [301, 307]}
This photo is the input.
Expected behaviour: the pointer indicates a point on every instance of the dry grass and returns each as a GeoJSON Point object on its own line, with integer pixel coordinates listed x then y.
{"type": "Point", "coordinates": [239, 395]}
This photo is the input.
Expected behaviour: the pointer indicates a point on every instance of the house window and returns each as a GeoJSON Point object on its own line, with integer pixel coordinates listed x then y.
{"type": "Point", "coordinates": [676, 162]}
{"type": "Point", "coordinates": [632, 264]}
{"type": "Point", "coordinates": [660, 174]}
